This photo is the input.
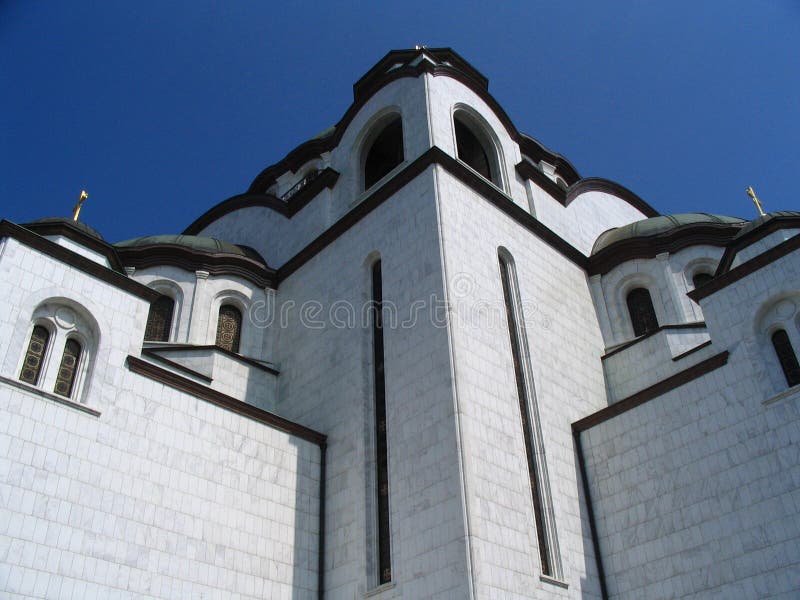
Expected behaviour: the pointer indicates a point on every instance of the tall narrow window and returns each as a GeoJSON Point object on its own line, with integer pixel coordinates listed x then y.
{"type": "Point", "coordinates": [159, 320]}
{"type": "Point", "coordinates": [385, 153]}
{"type": "Point", "coordinates": [531, 431]}
{"type": "Point", "coordinates": [381, 456]}
{"type": "Point", "coordinates": [67, 370]}
{"type": "Point", "coordinates": [32, 364]}
{"type": "Point", "coordinates": [786, 356]}
{"type": "Point", "coordinates": [229, 327]}
{"type": "Point", "coordinates": [471, 151]}
{"type": "Point", "coordinates": [643, 315]}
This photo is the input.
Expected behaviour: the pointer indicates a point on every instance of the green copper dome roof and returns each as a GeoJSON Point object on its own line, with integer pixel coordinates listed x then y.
{"type": "Point", "coordinates": [659, 225]}
{"type": "Point", "coordinates": [193, 242]}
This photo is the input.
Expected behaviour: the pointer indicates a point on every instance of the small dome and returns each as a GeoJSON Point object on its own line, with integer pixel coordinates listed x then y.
{"type": "Point", "coordinates": [206, 245]}
{"type": "Point", "coordinates": [79, 225]}
{"type": "Point", "coordinates": [660, 225]}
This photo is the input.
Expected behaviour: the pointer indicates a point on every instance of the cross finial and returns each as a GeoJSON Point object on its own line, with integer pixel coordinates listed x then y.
{"type": "Point", "coordinates": [76, 210]}
{"type": "Point", "coordinates": [751, 192]}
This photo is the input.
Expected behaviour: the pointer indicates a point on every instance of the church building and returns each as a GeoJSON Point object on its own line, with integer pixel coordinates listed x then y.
{"type": "Point", "coordinates": [420, 357]}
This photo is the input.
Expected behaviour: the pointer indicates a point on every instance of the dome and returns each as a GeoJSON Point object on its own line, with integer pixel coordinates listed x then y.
{"type": "Point", "coordinates": [660, 225]}
{"type": "Point", "coordinates": [80, 226]}
{"type": "Point", "coordinates": [205, 245]}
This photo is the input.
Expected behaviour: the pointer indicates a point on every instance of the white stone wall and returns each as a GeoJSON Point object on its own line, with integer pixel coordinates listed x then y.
{"type": "Point", "coordinates": [765, 243]}
{"type": "Point", "coordinates": [696, 492]}
{"type": "Point", "coordinates": [326, 382]}
{"type": "Point", "coordinates": [161, 495]}
{"type": "Point", "coordinates": [565, 346]}
{"type": "Point", "coordinates": [653, 359]}
{"type": "Point", "coordinates": [585, 217]}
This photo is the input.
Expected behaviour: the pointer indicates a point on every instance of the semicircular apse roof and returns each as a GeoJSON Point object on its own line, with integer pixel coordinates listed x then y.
{"type": "Point", "coordinates": [659, 225]}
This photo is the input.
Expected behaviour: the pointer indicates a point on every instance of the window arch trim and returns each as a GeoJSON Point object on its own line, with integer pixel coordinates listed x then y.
{"type": "Point", "coordinates": [484, 134]}
{"type": "Point", "coordinates": [366, 139]}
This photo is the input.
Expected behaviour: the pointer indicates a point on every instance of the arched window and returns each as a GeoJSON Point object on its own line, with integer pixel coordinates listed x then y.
{"type": "Point", "coordinates": [385, 153]}
{"type": "Point", "coordinates": [643, 315]}
{"type": "Point", "coordinates": [471, 151]}
{"type": "Point", "coordinates": [229, 327]}
{"type": "Point", "coordinates": [786, 357]}
{"type": "Point", "coordinates": [32, 363]}
{"type": "Point", "coordinates": [67, 370]}
{"type": "Point", "coordinates": [701, 278]}
{"type": "Point", "coordinates": [159, 320]}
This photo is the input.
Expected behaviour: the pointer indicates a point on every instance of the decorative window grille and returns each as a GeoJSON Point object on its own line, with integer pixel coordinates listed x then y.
{"type": "Point", "coordinates": [229, 328]}
{"type": "Point", "coordinates": [67, 370]}
{"type": "Point", "coordinates": [32, 364]}
{"type": "Point", "coordinates": [159, 320]}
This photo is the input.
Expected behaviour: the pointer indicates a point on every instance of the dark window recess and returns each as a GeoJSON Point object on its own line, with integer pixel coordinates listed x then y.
{"type": "Point", "coordinates": [381, 457]}
{"type": "Point", "coordinates": [643, 315]}
{"type": "Point", "coordinates": [65, 379]}
{"type": "Point", "coordinates": [159, 320]}
{"type": "Point", "coordinates": [32, 365]}
{"type": "Point", "coordinates": [700, 279]}
{"type": "Point", "coordinates": [786, 356]}
{"type": "Point", "coordinates": [527, 433]}
{"type": "Point", "coordinates": [471, 151]}
{"type": "Point", "coordinates": [229, 328]}
{"type": "Point", "coordinates": [385, 153]}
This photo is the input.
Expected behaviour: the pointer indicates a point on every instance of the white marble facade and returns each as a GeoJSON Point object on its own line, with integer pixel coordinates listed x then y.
{"type": "Point", "coordinates": [665, 463]}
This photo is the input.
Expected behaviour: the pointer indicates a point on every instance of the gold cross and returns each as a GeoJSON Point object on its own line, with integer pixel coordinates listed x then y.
{"type": "Point", "coordinates": [76, 210]}
{"type": "Point", "coordinates": [751, 192]}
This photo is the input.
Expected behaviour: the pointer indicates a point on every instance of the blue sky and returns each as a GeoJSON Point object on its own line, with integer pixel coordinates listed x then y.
{"type": "Point", "coordinates": [163, 109]}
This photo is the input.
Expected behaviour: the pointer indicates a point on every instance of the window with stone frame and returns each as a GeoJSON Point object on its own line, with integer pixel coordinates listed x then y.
{"type": "Point", "coordinates": [68, 368]}
{"type": "Point", "coordinates": [229, 328]}
{"type": "Point", "coordinates": [60, 349]}
{"type": "Point", "coordinates": [385, 153]}
{"type": "Point", "coordinates": [34, 356]}
{"type": "Point", "coordinates": [159, 320]}
{"type": "Point", "coordinates": [787, 358]}
{"type": "Point", "coordinates": [641, 311]}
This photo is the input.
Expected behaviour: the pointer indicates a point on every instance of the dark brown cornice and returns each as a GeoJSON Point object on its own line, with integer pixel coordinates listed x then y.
{"type": "Point", "coordinates": [153, 354]}
{"type": "Point", "coordinates": [200, 391]}
{"type": "Point", "coordinates": [456, 168]}
{"type": "Point", "coordinates": [528, 171]}
{"type": "Point", "coordinates": [243, 359]}
{"type": "Point", "coordinates": [378, 77]}
{"type": "Point", "coordinates": [63, 228]}
{"type": "Point", "coordinates": [753, 235]}
{"type": "Point", "coordinates": [326, 179]}
{"type": "Point", "coordinates": [188, 259]}
{"type": "Point", "coordinates": [652, 392]}
{"type": "Point", "coordinates": [73, 259]}
{"type": "Point", "coordinates": [694, 234]}
{"type": "Point", "coordinates": [746, 268]}
{"type": "Point", "coordinates": [598, 184]}
{"type": "Point", "coordinates": [633, 342]}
